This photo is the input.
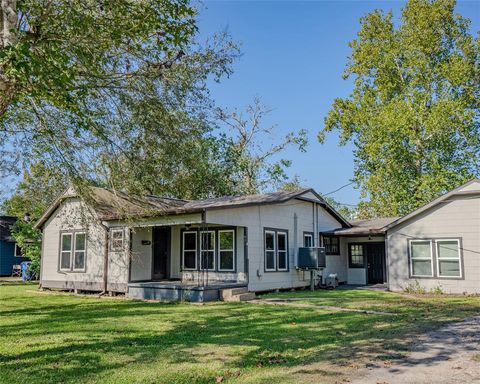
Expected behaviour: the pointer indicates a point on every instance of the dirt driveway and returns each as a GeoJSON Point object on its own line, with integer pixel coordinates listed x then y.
{"type": "Point", "coordinates": [448, 355]}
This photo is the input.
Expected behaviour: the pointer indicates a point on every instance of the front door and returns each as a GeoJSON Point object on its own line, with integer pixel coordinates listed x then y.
{"type": "Point", "coordinates": [161, 253]}
{"type": "Point", "coordinates": [375, 263]}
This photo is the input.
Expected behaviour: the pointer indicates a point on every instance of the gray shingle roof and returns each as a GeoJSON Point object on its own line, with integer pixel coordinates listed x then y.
{"type": "Point", "coordinates": [113, 205]}
{"type": "Point", "coordinates": [365, 227]}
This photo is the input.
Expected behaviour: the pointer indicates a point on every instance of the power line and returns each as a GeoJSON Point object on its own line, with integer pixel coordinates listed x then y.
{"type": "Point", "coordinates": [338, 189]}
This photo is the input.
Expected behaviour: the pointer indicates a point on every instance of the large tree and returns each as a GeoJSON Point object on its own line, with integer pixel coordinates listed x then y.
{"type": "Point", "coordinates": [97, 88]}
{"type": "Point", "coordinates": [414, 113]}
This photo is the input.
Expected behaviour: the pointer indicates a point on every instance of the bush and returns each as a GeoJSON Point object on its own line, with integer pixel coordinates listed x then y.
{"type": "Point", "coordinates": [29, 241]}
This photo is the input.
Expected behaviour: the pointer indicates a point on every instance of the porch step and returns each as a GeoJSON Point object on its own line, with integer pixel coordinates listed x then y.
{"type": "Point", "coordinates": [226, 294]}
{"type": "Point", "coordinates": [247, 296]}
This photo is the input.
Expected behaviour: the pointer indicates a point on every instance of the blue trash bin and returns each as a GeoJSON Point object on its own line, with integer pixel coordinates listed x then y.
{"type": "Point", "coordinates": [26, 275]}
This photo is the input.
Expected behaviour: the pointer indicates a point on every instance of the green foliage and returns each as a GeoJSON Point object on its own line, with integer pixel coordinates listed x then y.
{"type": "Point", "coordinates": [37, 190]}
{"type": "Point", "coordinates": [347, 212]}
{"type": "Point", "coordinates": [252, 149]}
{"type": "Point", "coordinates": [414, 112]}
{"type": "Point", "coordinates": [29, 241]}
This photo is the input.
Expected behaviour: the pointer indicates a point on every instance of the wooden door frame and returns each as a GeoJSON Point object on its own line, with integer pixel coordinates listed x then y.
{"type": "Point", "coordinates": [384, 261]}
{"type": "Point", "coordinates": [169, 251]}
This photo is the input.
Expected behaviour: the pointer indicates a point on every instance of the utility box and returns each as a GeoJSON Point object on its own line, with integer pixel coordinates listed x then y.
{"type": "Point", "coordinates": [311, 258]}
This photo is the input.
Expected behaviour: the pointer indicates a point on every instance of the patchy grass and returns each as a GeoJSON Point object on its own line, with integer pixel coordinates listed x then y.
{"type": "Point", "coordinates": [69, 339]}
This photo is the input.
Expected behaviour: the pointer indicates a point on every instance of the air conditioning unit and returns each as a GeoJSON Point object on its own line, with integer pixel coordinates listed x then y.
{"type": "Point", "coordinates": [311, 258]}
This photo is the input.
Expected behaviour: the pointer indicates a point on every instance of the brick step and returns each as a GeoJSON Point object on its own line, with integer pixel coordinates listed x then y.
{"type": "Point", "coordinates": [225, 294]}
{"type": "Point", "coordinates": [247, 296]}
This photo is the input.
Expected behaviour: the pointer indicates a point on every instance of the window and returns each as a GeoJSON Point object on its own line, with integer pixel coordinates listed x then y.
{"type": "Point", "coordinates": [308, 240]}
{"type": "Point", "coordinates": [276, 250]}
{"type": "Point", "coordinates": [226, 250]}
{"type": "Point", "coordinates": [448, 258]}
{"type": "Point", "coordinates": [18, 251]}
{"type": "Point", "coordinates": [270, 251]}
{"type": "Point", "coordinates": [282, 251]}
{"type": "Point", "coordinates": [117, 240]}
{"type": "Point", "coordinates": [66, 251]}
{"type": "Point", "coordinates": [207, 250]}
{"type": "Point", "coordinates": [331, 244]}
{"type": "Point", "coordinates": [80, 249]}
{"type": "Point", "coordinates": [421, 258]}
{"type": "Point", "coordinates": [189, 251]}
{"type": "Point", "coordinates": [356, 258]}
{"type": "Point", "coordinates": [73, 251]}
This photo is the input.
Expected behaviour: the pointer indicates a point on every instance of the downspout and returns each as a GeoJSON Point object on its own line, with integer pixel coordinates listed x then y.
{"type": "Point", "coordinates": [105, 260]}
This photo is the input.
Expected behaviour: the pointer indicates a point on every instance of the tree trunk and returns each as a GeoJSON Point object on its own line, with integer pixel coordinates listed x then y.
{"type": "Point", "coordinates": [8, 19]}
{"type": "Point", "coordinates": [9, 22]}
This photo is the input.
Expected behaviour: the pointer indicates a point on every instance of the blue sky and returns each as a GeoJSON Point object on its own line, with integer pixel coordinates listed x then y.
{"type": "Point", "coordinates": [293, 56]}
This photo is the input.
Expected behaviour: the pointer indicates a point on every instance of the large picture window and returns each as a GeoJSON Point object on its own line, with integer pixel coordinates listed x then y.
{"type": "Point", "coordinates": [207, 250]}
{"type": "Point", "coordinates": [448, 258]}
{"type": "Point", "coordinates": [226, 250]}
{"type": "Point", "coordinates": [189, 250]}
{"type": "Point", "coordinates": [356, 258]}
{"type": "Point", "coordinates": [73, 251]}
{"type": "Point", "coordinates": [421, 263]}
{"type": "Point", "coordinates": [276, 250]}
{"type": "Point", "coordinates": [331, 244]}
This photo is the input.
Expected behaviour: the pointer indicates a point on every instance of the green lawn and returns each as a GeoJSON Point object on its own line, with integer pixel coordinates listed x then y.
{"type": "Point", "coordinates": [54, 338]}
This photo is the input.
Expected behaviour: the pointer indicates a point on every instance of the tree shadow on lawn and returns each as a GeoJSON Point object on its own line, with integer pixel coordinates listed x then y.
{"type": "Point", "coordinates": [77, 341]}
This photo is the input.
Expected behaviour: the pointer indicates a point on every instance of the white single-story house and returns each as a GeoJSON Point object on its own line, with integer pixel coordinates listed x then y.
{"type": "Point", "coordinates": [153, 247]}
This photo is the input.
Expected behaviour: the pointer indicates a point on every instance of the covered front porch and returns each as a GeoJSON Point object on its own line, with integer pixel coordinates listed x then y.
{"type": "Point", "coordinates": [190, 260]}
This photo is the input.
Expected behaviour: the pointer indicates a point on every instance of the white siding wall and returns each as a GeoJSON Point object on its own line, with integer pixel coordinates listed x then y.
{"type": "Point", "coordinates": [278, 216]}
{"type": "Point", "coordinates": [72, 215]}
{"type": "Point", "coordinates": [141, 257]}
{"type": "Point", "coordinates": [459, 217]}
{"type": "Point", "coordinates": [356, 276]}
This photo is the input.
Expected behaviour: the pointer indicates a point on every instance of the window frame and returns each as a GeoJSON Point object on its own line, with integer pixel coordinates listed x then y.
{"type": "Point", "coordinates": [219, 232]}
{"type": "Point", "coordinates": [216, 261]}
{"type": "Point", "coordinates": [214, 249]}
{"type": "Point", "coordinates": [112, 239]}
{"type": "Point", "coordinates": [410, 258]}
{"type": "Point", "coordinates": [19, 253]}
{"type": "Point", "coordinates": [352, 265]}
{"type": "Point", "coordinates": [73, 233]}
{"type": "Point", "coordinates": [308, 234]}
{"type": "Point", "coordinates": [275, 232]}
{"type": "Point", "coordinates": [74, 252]}
{"type": "Point", "coordinates": [323, 236]}
{"type": "Point", "coordinates": [281, 232]}
{"type": "Point", "coordinates": [459, 259]}
{"type": "Point", "coordinates": [189, 250]}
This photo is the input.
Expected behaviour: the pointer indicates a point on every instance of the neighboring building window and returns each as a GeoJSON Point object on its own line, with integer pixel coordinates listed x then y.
{"type": "Point", "coordinates": [189, 251]}
{"type": "Point", "coordinates": [207, 250]}
{"type": "Point", "coordinates": [356, 257]}
{"type": "Point", "coordinates": [73, 250]}
{"type": "Point", "coordinates": [226, 250]}
{"type": "Point", "coordinates": [276, 250]}
{"type": "Point", "coordinates": [80, 250]}
{"type": "Point", "coordinates": [421, 258]}
{"type": "Point", "coordinates": [18, 251]}
{"type": "Point", "coordinates": [117, 240]}
{"type": "Point", "coordinates": [308, 240]}
{"type": "Point", "coordinates": [270, 251]}
{"type": "Point", "coordinates": [66, 247]}
{"type": "Point", "coordinates": [282, 251]}
{"type": "Point", "coordinates": [448, 258]}
{"type": "Point", "coordinates": [331, 244]}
